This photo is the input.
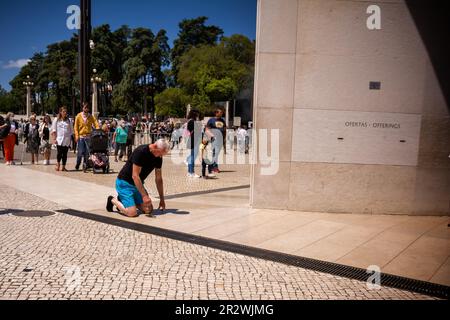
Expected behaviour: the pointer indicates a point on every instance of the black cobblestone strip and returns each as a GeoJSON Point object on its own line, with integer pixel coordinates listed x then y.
{"type": "Point", "coordinates": [9, 211]}
{"type": "Point", "coordinates": [197, 193]}
{"type": "Point", "coordinates": [340, 270]}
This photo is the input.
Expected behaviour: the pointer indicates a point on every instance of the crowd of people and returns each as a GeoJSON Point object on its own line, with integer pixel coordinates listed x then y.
{"type": "Point", "coordinates": [155, 140]}
{"type": "Point", "coordinates": [208, 140]}
{"type": "Point", "coordinates": [42, 135]}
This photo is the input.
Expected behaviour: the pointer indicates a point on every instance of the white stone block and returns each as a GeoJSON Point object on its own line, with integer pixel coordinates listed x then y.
{"type": "Point", "coordinates": [355, 137]}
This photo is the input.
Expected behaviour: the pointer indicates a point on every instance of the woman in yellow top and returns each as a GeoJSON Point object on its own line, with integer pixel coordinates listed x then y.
{"type": "Point", "coordinates": [84, 122]}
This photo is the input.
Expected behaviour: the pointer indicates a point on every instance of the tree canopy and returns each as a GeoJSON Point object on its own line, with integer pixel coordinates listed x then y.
{"type": "Point", "coordinates": [213, 73]}
{"type": "Point", "coordinates": [193, 33]}
{"type": "Point", "coordinates": [140, 72]}
{"type": "Point", "coordinates": [172, 103]}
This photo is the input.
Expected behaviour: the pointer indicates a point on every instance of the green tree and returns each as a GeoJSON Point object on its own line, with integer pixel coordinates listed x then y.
{"type": "Point", "coordinates": [193, 33]}
{"type": "Point", "coordinates": [103, 56]}
{"type": "Point", "coordinates": [6, 102]}
{"type": "Point", "coordinates": [140, 66]}
{"type": "Point", "coordinates": [120, 42]}
{"type": "Point", "coordinates": [56, 75]}
{"type": "Point", "coordinates": [221, 90]}
{"type": "Point", "coordinates": [172, 102]}
{"type": "Point", "coordinates": [241, 48]}
{"type": "Point", "coordinates": [202, 103]}
{"type": "Point", "coordinates": [146, 55]}
{"type": "Point", "coordinates": [212, 71]}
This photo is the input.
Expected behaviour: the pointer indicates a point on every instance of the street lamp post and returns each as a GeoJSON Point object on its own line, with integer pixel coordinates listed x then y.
{"type": "Point", "coordinates": [29, 84]}
{"type": "Point", "coordinates": [84, 44]}
{"type": "Point", "coordinates": [95, 80]}
{"type": "Point", "coordinates": [109, 90]}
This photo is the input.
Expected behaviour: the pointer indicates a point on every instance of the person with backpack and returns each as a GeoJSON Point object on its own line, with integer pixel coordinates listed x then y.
{"type": "Point", "coordinates": [8, 133]}
{"type": "Point", "coordinates": [32, 139]}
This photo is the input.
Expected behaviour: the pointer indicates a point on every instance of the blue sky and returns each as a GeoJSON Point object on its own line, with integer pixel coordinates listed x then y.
{"type": "Point", "coordinates": [28, 26]}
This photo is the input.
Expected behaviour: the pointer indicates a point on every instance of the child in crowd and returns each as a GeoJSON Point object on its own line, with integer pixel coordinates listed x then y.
{"type": "Point", "coordinates": [207, 158]}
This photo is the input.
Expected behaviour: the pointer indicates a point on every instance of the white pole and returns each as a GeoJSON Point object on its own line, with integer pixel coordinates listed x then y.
{"type": "Point", "coordinates": [94, 100]}
{"type": "Point", "coordinates": [227, 113]}
{"type": "Point", "coordinates": [188, 109]}
{"type": "Point", "coordinates": [28, 101]}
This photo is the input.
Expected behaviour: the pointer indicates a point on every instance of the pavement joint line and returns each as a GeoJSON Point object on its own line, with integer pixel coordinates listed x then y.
{"type": "Point", "coordinates": [440, 267]}
{"type": "Point", "coordinates": [197, 193]}
{"type": "Point", "coordinates": [370, 239]}
{"type": "Point", "coordinates": [409, 246]}
{"type": "Point", "coordinates": [387, 280]}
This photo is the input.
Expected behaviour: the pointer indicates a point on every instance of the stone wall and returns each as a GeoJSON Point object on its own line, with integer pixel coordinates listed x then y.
{"type": "Point", "coordinates": [343, 146]}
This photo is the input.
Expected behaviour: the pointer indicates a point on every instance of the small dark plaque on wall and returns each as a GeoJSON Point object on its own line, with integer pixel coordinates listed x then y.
{"type": "Point", "coordinates": [375, 85]}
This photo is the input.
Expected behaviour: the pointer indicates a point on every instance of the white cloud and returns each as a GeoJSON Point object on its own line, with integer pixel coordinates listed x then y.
{"type": "Point", "coordinates": [13, 64]}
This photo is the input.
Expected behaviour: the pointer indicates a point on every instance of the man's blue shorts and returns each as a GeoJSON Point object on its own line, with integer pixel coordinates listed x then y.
{"type": "Point", "coordinates": [129, 194]}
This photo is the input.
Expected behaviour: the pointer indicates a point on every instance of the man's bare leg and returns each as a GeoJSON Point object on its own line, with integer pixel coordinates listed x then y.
{"type": "Point", "coordinates": [129, 212]}
{"type": "Point", "coordinates": [147, 210]}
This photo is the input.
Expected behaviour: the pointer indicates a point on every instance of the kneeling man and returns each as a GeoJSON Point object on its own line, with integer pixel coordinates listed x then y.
{"type": "Point", "coordinates": [130, 182]}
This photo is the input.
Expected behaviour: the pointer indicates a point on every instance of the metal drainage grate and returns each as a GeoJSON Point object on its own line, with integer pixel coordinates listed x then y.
{"type": "Point", "coordinates": [387, 280]}
{"type": "Point", "coordinates": [34, 214]}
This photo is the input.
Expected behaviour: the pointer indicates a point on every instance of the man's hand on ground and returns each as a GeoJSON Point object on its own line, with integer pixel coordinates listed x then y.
{"type": "Point", "coordinates": [147, 201]}
{"type": "Point", "coordinates": [162, 205]}
{"type": "Point", "coordinates": [150, 209]}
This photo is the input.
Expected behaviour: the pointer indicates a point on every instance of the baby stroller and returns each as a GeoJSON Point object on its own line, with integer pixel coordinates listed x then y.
{"type": "Point", "coordinates": [99, 155]}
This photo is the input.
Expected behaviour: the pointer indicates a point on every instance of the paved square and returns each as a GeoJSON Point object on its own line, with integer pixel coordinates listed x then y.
{"type": "Point", "coordinates": [64, 257]}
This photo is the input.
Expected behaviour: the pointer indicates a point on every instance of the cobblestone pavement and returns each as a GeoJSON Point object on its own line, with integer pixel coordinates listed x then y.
{"type": "Point", "coordinates": [174, 174]}
{"type": "Point", "coordinates": [62, 257]}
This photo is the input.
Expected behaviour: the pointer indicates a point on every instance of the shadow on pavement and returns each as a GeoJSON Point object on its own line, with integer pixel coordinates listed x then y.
{"type": "Point", "coordinates": [169, 211]}
{"type": "Point", "coordinates": [8, 211]}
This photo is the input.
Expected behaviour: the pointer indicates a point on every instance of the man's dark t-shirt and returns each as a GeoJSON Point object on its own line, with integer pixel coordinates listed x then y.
{"type": "Point", "coordinates": [143, 158]}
